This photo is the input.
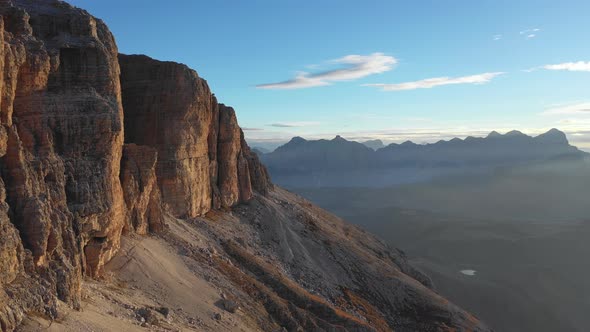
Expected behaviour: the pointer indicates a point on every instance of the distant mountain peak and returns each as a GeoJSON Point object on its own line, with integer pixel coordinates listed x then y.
{"type": "Point", "coordinates": [514, 133]}
{"type": "Point", "coordinates": [494, 134]}
{"type": "Point", "coordinates": [554, 131]}
{"type": "Point", "coordinates": [374, 144]}
{"type": "Point", "coordinates": [553, 136]}
{"type": "Point", "coordinates": [408, 143]}
{"type": "Point", "coordinates": [297, 139]}
{"type": "Point", "coordinates": [339, 138]}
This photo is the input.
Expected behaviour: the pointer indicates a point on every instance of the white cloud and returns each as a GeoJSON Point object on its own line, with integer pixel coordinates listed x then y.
{"type": "Point", "coordinates": [438, 81]}
{"type": "Point", "coordinates": [355, 67]}
{"type": "Point", "coordinates": [497, 37]}
{"type": "Point", "coordinates": [579, 109]}
{"type": "Point", "coordinates": [570, 66]}
{"type": "Point", "coordinates": [293, 124]}
{"type": "Point", "coordinates": [530, 33]}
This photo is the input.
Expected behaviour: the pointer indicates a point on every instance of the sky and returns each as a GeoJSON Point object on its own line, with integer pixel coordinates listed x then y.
{"type": "Point", "coordinates": [393, 70]}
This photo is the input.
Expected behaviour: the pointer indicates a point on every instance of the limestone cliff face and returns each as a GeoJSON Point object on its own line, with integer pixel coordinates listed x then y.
{"type": "Point", "coordinates": [61, 134]}
{"type": "Point", "coordinates": [168, 107]}
{"type": "Point", "coordinates": [63, 207]}
{"type": "Point", "coordinates": [203, 162]}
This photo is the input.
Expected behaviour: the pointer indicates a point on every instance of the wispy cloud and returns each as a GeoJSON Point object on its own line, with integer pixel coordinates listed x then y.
{"type": "Point", "coordinates": [497, 37]}
{"type": "Point", "coordinates": [570, 66]}
{"type": "Point", "coordinates": [530, 33]}
{"type": "Point", "coordinates": [578, 109]}
{"type": "Point", "coordinates": [354, 67]}
{"type": "Point", "coordinates": [293, 124]}
{"type": "Point", "coordinates": [437, 81]}
{"type": "Point", "coordinates": [251, 129]}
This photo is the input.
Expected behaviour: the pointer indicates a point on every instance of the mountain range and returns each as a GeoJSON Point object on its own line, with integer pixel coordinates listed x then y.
{"type": "Point", "coordinates": [339, 161]}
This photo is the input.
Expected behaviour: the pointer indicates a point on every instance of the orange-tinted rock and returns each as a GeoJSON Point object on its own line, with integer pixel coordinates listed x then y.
{"type": "Point", "coordinates": [61, 135]}
{"type": "Point", "coordinates": [11, 250]}
{"type": "Point", "coordinates": [61, 143]}
{"type": "Point", "coordinates": [203, 161]}
{"type": "Point", "coordinates": [140, 189]}
{"type": "Point", "coordinates": [168, 107]}
{"type": "Point", "coordinates": [228, 150]}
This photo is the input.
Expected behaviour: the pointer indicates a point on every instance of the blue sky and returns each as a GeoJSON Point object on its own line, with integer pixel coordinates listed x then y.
{"type": "Point", "coordinates": [395, 70]}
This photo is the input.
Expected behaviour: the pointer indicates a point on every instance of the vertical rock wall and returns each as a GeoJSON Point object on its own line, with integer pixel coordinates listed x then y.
{"type": "Point", "coordinates": [61, 139]}
{"type": "Point", "coordinates": [203, 161]}
{"type": "Point", "coordinates": [67, 191]}
{"type": "Point", "coordinates": [168, 107]}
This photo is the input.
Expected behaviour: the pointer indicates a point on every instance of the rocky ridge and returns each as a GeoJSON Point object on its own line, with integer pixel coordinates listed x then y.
{"type": "Point", "coordinates": [95, 145]}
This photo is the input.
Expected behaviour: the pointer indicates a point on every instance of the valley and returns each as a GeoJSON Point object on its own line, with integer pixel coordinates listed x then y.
{"type": "Point", "coordinates": [510, 247]}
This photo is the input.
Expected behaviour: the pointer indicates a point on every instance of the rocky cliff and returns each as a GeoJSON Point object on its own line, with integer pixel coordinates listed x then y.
{"type": "Point", "coordinates": [61, 138]}
{"type": "Point", "coordinates": [95, 146]}
{"type": "Point", "coordinates": [203, 161]}
{"type": "Point", "coordinates": [69, 188]}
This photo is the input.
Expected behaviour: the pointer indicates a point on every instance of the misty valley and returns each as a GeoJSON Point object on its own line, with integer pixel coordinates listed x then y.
{"type": "Point", "coordinates": [507, 242]}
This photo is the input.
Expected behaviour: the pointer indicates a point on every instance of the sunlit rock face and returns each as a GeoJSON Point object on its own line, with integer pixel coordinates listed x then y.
{"type": "Point", "coordinates": [61, 138]}
{"type": "Point", "coordinates": [62, 206]}
{"type": "Point", "coordinates": [203, 162]}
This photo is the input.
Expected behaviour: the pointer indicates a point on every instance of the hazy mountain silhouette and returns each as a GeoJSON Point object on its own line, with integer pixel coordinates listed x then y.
{"type": "Point", "coordinates": [374, 144]}
{"type": "Point", "coordinates": [301, 156]}
{"type": "Point", "coordinates": [339, 162]}
{"type": "Point", "coordinates": [495, 149]}
{"type": "Point", "coordinates": [260, 150]}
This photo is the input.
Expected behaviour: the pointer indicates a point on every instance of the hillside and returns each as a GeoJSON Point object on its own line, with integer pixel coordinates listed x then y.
{"type": "Point", "coordinates": [131, 199]}
{"type": "Point", "coordinates": [523, 231]}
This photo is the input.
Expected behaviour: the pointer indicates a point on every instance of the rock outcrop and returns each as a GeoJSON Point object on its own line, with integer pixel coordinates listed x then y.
{"type": "Point", "coordinates": [63, 208]}
{"type": "Point", "coordinates": [203, 161]}
{"type": "Point", "coordinates": [61, 135]}
{"type": "Point", "coordinates": [168, 107]}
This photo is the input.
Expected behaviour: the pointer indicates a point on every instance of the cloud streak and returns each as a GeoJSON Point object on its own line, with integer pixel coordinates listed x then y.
{"type": "Point", "coordinates": [580, 109]}
{"type": "Point", "coordinates": [570, 66]}
{"type": "Point", "coordinates": [293, 124]}
{"type": "Point", "coordinates": [352, 67]}
{"type": "Point", "coordinates": [437, 81]}
{"type": "Point", "coordinates": [530, 33]}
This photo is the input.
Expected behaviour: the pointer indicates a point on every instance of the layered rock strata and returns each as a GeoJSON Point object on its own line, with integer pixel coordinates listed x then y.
{"type": "Point", "coordinates": [68, 190]}
{"type": "Point", "coordinates": [203, 160]}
